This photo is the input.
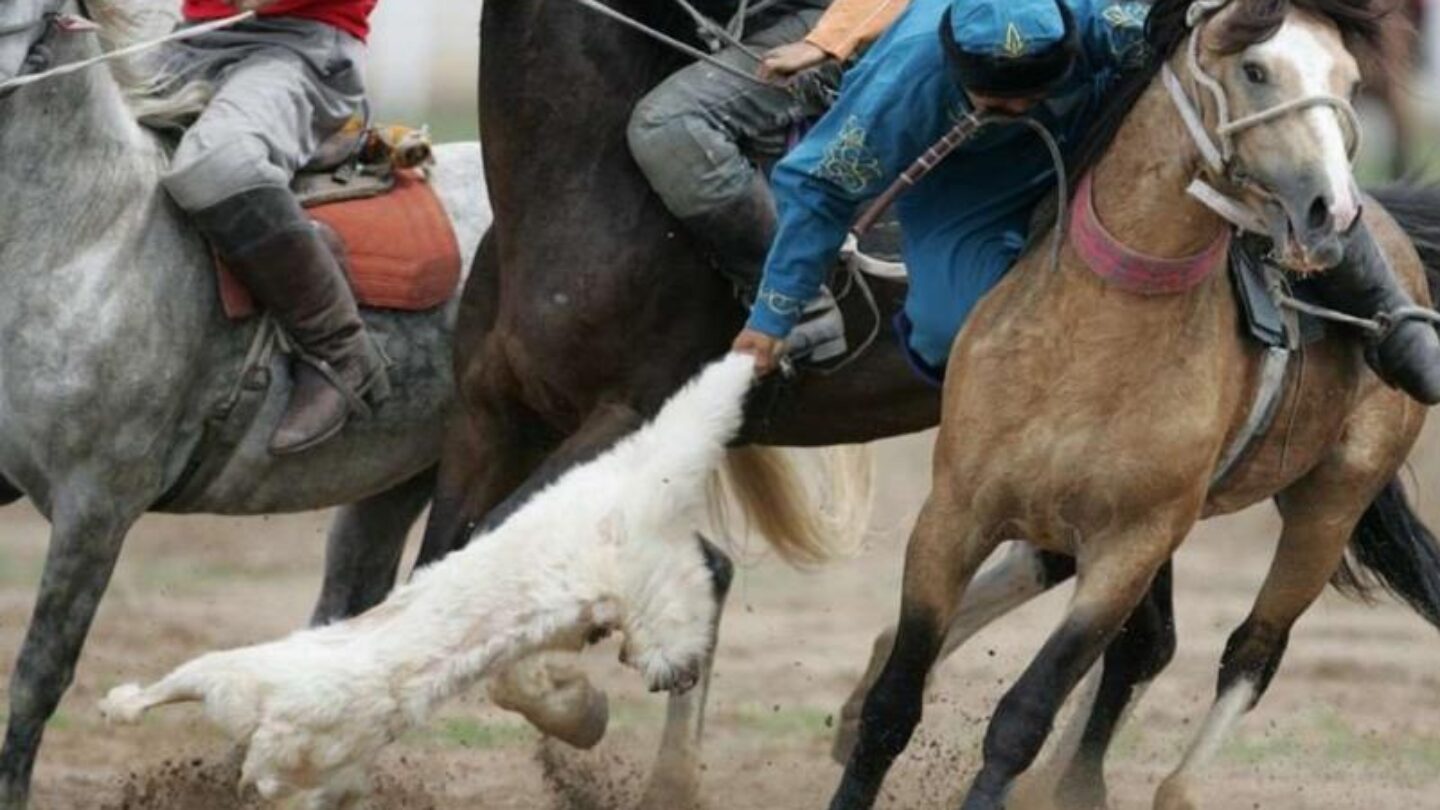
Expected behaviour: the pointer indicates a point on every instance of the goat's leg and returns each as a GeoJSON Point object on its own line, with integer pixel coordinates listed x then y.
{"type": "Point", "coordinates": [675, 777]}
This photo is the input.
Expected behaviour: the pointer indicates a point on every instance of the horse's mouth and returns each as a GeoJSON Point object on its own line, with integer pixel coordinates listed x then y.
{"type": "Point", "coordinates": [1303, 256]}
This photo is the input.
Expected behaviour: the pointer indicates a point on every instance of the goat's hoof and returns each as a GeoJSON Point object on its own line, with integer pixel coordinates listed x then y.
{"type": "Point", "coordinates": [557, 699]}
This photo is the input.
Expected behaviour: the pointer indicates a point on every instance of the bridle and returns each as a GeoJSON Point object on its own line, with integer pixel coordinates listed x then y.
{"type": "Point", "coordinates": [38, 58]}
{"type": "Point", "coordinates": [1218, 151]}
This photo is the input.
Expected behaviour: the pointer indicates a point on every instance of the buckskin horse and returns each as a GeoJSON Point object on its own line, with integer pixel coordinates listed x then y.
{"type": "Point", "coordinates": [1094, 422]}
{"type": "Point", "coordinates": [588, 303]}
{"type": "Point", "coordinates": [116, 356]}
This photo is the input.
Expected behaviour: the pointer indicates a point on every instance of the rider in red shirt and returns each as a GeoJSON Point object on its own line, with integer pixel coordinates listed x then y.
{"type": "Point", "coordinates": [350, 16]}
{"type": "Point", "coordinates": [281, 85]}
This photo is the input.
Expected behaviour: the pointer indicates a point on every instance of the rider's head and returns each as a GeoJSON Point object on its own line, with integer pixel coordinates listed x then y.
{"type": "Point", "coordinates": [1006, 55]}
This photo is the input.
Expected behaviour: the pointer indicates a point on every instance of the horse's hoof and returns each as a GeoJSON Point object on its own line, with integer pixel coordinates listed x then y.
{"type": "Point", "coordinates": [1174, 794]}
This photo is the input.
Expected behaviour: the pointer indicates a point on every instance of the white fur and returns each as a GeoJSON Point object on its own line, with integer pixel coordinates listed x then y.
{"type": "Point", "coordinates": [610, 545]}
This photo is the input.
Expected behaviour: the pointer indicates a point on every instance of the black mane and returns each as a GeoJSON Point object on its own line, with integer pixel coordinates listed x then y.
{"type": "Point", "coordinates": [1364, 26]}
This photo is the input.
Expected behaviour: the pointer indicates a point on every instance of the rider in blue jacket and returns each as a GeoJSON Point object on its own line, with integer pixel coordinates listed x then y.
{"type": "Point", "coordinates": [966, 222]}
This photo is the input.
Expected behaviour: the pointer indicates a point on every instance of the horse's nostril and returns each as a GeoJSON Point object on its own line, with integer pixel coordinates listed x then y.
{"type": "Point", "coordinates": [1318, 217]}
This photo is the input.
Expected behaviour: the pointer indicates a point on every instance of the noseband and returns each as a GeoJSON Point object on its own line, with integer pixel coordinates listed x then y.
{"type": "Point", "coordinates": [1220, 157]}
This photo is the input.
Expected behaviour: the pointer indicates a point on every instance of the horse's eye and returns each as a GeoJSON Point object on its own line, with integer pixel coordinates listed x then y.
{"type": "Point", "coordinates": [1255, 73]}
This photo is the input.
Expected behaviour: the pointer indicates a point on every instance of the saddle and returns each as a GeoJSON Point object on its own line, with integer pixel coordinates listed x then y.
{"type": "Point", "coordinates": [396, 241]}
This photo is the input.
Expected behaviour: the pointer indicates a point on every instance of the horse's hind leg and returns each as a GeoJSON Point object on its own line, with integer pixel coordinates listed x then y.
{"type": "Point", "coordinates": [1023, 573]}
{"type": "Point", "coordinates": [366, 541]}
{"type": "Point", "coordinates": [1319, 515]}
{"type": "Point", "coordinates": [491, 447]}
{"type": "Point", "coordinates": [1143, 648]}
{"type": "Point", "coordinates": [85, 541]}
{"type": "Point", "coordinates": [1115, 575]}
{"type": "Point", "coordinates": [945, 550]}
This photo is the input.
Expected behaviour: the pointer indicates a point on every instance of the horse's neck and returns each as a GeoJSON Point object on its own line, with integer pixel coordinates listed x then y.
{"type": "Point", "coordinates": [1140, 183]}
{"type": "Point", "coordinates": [76, 165]}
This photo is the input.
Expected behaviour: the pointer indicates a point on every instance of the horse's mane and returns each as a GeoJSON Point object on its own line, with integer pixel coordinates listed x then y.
{"type": "Point", "coordinates": [152, 100]}
{"type": "Point", "coordinates": [1365, 27]}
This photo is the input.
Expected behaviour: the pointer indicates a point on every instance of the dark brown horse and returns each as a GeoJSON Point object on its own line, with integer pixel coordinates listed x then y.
{"type": "Point", "coordinates": [588, 303]}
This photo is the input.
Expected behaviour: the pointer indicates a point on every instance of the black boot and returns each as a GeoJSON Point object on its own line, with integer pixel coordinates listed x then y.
{"type": "Point", "coordinates": [1407, 354]}
{"type": "Point", "coordinates": [739, 235]}
{"type": "Point", "coordinates": [269, 243]}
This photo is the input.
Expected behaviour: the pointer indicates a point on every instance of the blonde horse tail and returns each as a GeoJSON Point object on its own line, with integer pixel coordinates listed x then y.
{"type": "Point", "coordinates": [775, 501]}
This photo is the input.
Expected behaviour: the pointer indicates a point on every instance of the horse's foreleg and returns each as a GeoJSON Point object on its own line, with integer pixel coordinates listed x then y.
{"type": "Point", "coordinates": [1022, 574]}
{"type": "Point", "coordinates": [1143, 648]}
{"type": "Point", "coordinates": [1319, 517]}
{"type": "Point", "coordinates": [675, 778]}
{"type": "Point", "coordinates": [490, 449]}
{"type": "Point", "coordinates": [1115, 575]}
{"type": "Point", "coordinates": [362, 553]}
{"type": "Point", "coordinates": [945, 551]}
{"type": "Point", "coordinates": [85, 542]}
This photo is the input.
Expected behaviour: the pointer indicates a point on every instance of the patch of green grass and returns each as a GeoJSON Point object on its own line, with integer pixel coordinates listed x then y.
{"type": "Point", "coordinates": [465, 732]}
{"type": "Point", "coordinates": [1324, 735]}
{"type": "Point", "coordinates": [784, 721]}
{"type": "Point", "coordinates": [23, 573]}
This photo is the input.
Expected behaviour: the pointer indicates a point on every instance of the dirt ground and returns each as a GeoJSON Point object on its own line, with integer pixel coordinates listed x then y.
{"type": "Point", "coordinates": [1353, 719]}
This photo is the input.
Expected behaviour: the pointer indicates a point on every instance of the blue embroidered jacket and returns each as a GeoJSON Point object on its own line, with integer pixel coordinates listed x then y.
{"type": "Point", "coordinates": [967, 220]}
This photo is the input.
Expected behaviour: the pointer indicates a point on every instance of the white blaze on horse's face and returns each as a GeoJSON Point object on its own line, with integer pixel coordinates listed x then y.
{"type": "Point", "coordinates": [1301, 157]}
{"type": "Point", "coordinates": [21, 26]}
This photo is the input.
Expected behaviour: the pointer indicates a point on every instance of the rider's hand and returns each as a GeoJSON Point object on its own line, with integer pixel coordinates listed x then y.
{"type": "Point", "coordinates": [764, 348]}
{"type": "Point", "coordinates": [787, 60]}
{"type": "Point", "coordinates": [250, 5]}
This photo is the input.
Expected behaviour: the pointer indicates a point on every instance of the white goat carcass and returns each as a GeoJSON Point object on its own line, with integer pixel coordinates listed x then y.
{"type": "Point", "coordinates": [610, 545]}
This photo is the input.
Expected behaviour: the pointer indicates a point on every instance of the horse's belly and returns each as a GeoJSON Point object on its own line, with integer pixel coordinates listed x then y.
{"type": "Point", "coordinates": [400, 439]}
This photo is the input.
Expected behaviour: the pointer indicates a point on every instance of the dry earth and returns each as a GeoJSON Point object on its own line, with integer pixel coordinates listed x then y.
{"type": "Point", "coordinates": [1353, 719]}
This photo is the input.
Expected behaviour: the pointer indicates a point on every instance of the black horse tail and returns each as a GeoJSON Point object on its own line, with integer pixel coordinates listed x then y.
{"type": "Point", "coordinates": [1392, 550]}
{"type": "Point", "coordinates": [1416, 207]}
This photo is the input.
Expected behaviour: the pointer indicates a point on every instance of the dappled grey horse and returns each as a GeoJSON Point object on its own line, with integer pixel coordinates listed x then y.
{"type": "Point", "coordinates": [116, 360]}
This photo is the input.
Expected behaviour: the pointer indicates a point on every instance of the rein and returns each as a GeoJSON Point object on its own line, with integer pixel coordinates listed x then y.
{"type": "Point", "coordinates": [73, 24]}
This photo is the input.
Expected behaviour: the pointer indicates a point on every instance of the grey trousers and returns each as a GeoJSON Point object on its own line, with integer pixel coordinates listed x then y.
{"type": "Point", "coordinates": [691, 135]}
{"type": "Point", "coordinates": [282, 86]}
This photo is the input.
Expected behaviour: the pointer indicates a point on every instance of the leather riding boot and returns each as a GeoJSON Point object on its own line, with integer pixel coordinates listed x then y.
{"type": "Point", "coordinates": [739, 234]}
{"type": "Point", "coordinates": [1407, 355]}
{"type": "Point", "coordinates": [284, 259]}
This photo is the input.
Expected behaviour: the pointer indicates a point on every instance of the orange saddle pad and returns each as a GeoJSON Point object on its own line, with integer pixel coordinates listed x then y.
{"type": "Point", "coordinates": [401, 250]}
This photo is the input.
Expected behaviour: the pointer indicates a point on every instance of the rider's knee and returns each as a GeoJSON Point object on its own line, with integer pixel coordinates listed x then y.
{"type": "Point", "coordinates": [203, 174]}
{"type": "Point", "coordinates": [656, 132]}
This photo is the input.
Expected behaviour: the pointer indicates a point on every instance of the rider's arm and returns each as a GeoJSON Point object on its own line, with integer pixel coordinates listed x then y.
{"type": "Point", "coordinates": [849, 25]}
{"type": "Point", "coordinates": [893, 106]}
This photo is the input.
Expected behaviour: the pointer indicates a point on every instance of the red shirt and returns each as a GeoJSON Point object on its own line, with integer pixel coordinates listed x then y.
{"type": "Point", "coordinates": [350, 16]}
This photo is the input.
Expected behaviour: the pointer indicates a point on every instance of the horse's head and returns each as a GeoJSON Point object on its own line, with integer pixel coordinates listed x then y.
{"type": "Point", "coordinates": [24, 27]}
{"type": "Point", "coordinates": [1275, 79]}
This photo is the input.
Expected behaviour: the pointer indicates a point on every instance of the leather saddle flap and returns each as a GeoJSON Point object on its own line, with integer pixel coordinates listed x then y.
{"type": "Point", "coordinates": [401, 251]}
